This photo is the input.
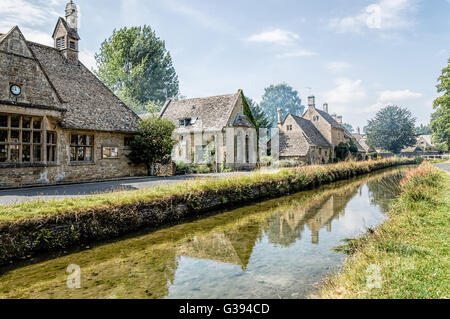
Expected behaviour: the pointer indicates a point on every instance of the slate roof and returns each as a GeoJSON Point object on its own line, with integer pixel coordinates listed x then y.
{"type": "Point", "coordinates": [89, 104]}
{"type": "Point", "coordinates": [212, 112]}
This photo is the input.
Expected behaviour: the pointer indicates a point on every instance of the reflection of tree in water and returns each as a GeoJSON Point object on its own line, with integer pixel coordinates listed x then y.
{"type": "Point", "coordinates": [383, 190]}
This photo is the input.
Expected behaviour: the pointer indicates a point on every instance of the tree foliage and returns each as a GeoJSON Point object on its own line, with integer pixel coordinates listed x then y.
{"type": "Point", "coordinates": [135, 64]}
{"type": "Point", "coordinates": [440, 119]}
{"type": "Point", "coordinates": [154, 143]}
{"type": "Point", "coordinates": [392, 129]}
{"type": "Point", "coordinates": [260, 117]}
{"type": "Point", "coordinates": [348, 127]}
{"type": "Point", "coordinates": [281, 96]}
{"type": "Point", "coordinates": [423, 130]}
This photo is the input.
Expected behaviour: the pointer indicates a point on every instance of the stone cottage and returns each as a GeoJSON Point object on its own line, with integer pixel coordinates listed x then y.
{"type": "Point", "coordinates": [213, 130]}
{"type": "Point", "coordinates": [301, 141]}
{"type": "Point", "coordinates": [330, 126]}
{"type": "Point", "coordinates": [58, 122]}
{"type": "Point", "coordinates": [362, 140]}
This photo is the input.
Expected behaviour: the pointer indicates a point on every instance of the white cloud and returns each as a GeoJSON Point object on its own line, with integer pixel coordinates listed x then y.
{"type": "Point", "coordinates": [88, 59]}
{"type": "Point", "coordinates": [337, 66]}
{"type": "Point", "coordinates": [276, 36]}
{"type": "Point", "coordinates": [382, 15]}
{"type": "Point", "coordinates": [345, 92]}
{"type": "Point", "coordinates": [296, 53]}
{"type": "Point", "coordinates": [400, 95]}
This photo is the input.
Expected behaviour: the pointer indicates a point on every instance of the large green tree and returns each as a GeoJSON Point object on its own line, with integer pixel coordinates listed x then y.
{"type": "Point", "coordinates": [423, 130]}
{"type": "Point", "coordinates": [440, 120]}
{"type": "Point", "coordinates": [260, 117]}
{"type": "Point", "coordinates": [392, 129]}
{"type": "Point", "coordinates": [135, 64]}
{"type": "Point", "coordinates": [281, 96]}
{"type": "Point", "coordinates": [154, 142]}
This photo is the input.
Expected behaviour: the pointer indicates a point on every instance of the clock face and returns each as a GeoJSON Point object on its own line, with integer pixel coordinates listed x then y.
{"type": "Point", "coordinates": [15, 89]}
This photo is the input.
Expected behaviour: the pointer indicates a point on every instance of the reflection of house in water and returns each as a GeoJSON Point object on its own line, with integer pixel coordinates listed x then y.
{"type": "Point", "coordinates": [232, 246]}
{"type": "Point", "coordinates": [286, 227]}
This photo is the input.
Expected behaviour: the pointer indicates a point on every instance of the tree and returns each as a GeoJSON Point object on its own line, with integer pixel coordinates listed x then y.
{"type": "Point", "coordinates": [392, 129]}
{"type": "Point", "coordinates": [154, 143]}
{"type": "Point", "coordinates": [281, 96]}
{"type": "Point", "coordinates": [135, 65]}
{"type": "Point", "coordinates": [440, 120]}
{"type": "Point", "coordinates": [423, 130]}
{"type": "Point", "coordinates": [348, 127]}
{"type": "Point", "coordinates": [259, 115]}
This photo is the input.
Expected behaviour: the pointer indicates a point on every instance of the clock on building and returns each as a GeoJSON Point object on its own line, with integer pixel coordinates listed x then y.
{"type": "Point", "coordinates": [15, 90]}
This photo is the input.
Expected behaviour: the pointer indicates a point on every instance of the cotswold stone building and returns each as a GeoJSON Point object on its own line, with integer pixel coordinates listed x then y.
{"type": "Point", "coordinates": [213, 130]}
{"type": "Point", "coordinates": [58, 122]}
{"type": "Point", "coordinates": [312, 139]}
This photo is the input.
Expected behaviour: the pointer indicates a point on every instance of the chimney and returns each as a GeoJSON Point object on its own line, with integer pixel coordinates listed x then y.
{"type": "Point", "coordinates": [359, 131]}
{"type": "Point", "coordinates": [312, 101]}
{"type": "Point", "coordinates": [334, 116]}
{"type": "Point", "coordinates": [280, 116]}
{"type": "Point", "coordinates": [339, 120]}
{"type": "Point", "coordinates": [325, 107]}
{"type": "Point", "coordinates": [72, 15]}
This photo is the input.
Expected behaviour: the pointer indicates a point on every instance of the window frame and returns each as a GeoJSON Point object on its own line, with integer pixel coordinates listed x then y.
{"type": "Point", "coordinates": [89, 138]}
{"type": "Point", "coordinates": [18, 150]}
{"type": "Point", "coordinates": [108, 148]}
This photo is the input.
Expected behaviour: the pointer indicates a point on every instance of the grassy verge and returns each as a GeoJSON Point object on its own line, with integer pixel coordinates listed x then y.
{"type": "Point", "coordinates": [410, 250]}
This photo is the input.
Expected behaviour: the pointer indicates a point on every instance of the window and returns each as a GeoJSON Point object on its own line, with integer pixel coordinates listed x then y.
{"type": "Point", "coordinates": [81, 148]}
{"type": "Point", "coordinates": [109, 152]}
{"type": "Point", "coordinates": [128, 140]}
{"type": "Point", "coordinates": [51, 147]}
{"type": "Point", "coordinates": [186, 122]}
{"type": "Point", "coordinates": [20, 139]}
{"type": "Point", "coordinates": [72, 45]}
{"type": "Point", "coordinates": [289, 127]}
{"type": "Point", "coordinates": [339, 135]}
{"type": "Point", "coordinates": [320, 151]}
{"type": "Point", "coordinates": [60, 43]}
{"type": "Point", "coordinates": [316, 119]}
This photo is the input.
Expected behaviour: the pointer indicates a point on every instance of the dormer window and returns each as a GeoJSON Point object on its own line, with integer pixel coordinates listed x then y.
{"type": "Point", "coordinates": [72, 45]}
{"type": "Point", "coordinates": [187, 121]}
{"type": "Point", "coordinates": [316, 119]}
{"type": "Point", "coordinates": [60, 43]}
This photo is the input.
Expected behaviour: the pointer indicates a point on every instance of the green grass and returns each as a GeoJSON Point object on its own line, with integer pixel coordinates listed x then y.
{"type": "Point", "coordinates": [305, 175]}
{"type": "Point", "coordinates": [411, 249]}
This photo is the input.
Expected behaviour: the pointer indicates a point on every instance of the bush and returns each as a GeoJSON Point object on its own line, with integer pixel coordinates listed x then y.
{"type": "Point", "coordinates": [183, 168]}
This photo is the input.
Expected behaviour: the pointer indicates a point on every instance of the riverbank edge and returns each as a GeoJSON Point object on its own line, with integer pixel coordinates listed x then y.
{"type": "Point", "coordinates": [408, 252]}
{"type": "Point", "coordinates": [22, 238]}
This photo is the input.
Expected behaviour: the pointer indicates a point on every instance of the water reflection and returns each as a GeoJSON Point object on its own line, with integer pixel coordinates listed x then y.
{"type": "Point", "coordinates": [278, 248]}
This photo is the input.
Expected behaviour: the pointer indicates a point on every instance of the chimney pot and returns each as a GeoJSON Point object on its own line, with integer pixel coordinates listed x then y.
{"type": "Point", "coordinates": [312, 101]}
{"type": "Point", "coordinates": [280, 116]}
{"type": "Point", "coordinates": [325, 107]}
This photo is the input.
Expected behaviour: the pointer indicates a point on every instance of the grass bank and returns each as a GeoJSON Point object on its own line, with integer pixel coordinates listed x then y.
{"type": "Point", "coordinates": [409, 253]}
{"type": "Point", "coordinates": [30, 228]}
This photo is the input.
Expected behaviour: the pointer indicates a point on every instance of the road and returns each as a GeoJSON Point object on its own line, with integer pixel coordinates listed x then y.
{"type": "Point", "coordinates": [444, 166]}
{"type": "Point", "coordinates": [13, 196]}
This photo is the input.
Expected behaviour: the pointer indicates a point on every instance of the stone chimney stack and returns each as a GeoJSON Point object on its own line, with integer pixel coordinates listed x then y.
{"type": "Point", "coordinates": [334, 116]}
{"type": "Point", "coordinates": [359, 131]}
{"type": "Point", "coordinates": [280, 116]}
{"type": "Point", "coordinates": [312, 101]}
{"type": "Point", "coordinates": [339, 120]}
{"type": "Point", "coordinates": [72, 15]}
{"type": "Point", "coordinates": [325, 107]}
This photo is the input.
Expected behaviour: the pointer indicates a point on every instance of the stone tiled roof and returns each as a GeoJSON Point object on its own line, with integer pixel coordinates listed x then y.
{"type": "Point", "coordinates": [362, 143]}
{"type": "Point", "coordinates": [329, 119]}
{"type": "Point", "coordinates": [72, 32]}
{"type": "Point", "coordinates": [212, 112]}
{"type": "Point", "coordinates": [313, 135]}
{"type": "Point", "coordinates": [296, 143]}
{"type": "Point", "coordinates": [89, 103]}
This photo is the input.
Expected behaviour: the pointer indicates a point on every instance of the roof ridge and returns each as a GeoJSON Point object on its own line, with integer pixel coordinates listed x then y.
{"type": "Point", "coordinates": [204, 97]}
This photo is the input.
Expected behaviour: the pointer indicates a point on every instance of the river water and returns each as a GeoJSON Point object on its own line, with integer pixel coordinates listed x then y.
{"type": "Point", "coordinates": [279, 248]}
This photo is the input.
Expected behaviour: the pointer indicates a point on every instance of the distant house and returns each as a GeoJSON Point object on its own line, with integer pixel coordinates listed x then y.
{"type": "Point", "coordinates": [58, 121]}
{"type": "Point", "coordinates": [362, 141]}
{"type": "Point", "coordinates": [301, 141]}
{"type": "Point", "coordinates": [424, 143]}
{"type": "Point", "coordinates": [213, 129]}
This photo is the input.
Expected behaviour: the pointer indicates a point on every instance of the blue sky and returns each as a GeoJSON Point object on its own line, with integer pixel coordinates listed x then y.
{"type": "Point", "coordinates": [357, 55]}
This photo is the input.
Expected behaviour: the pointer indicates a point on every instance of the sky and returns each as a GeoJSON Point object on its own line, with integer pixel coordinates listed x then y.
{"type": "Point", "coordinates": [355, 55]}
